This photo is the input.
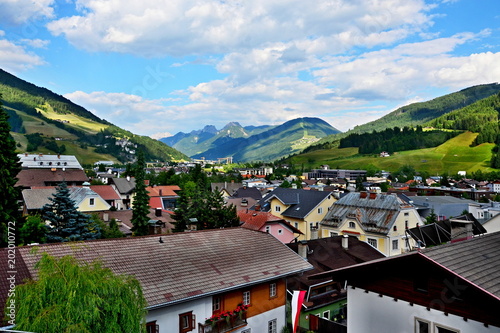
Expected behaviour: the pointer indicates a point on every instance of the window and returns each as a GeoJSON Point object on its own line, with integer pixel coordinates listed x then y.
{"type": "Point", "coordinates": [326, 314]}
{"type": "Point", "coordinates": [421, 326]}
{"type": "Point", "coordinates": [272, 290]}
{"type": "Point", "coordinates": [152, 327]}
{"type": "Point", "coordinates": [296, 224]}
{"type": "Point", "coordinates": [372, 242]}
{"type": "Point", "coordinates": [395, 228]}
{"type": "Point", "coordinates": [277, 208]}
{"type": "Point", "coordinates": [320, 210]}
{"type": "Point", "coordinates": [443, 329]}
{"type": "Point", "coordinates": [248, 330]}
{"type": "Point", "coordinates": [216, 301]}
{"type": "Point", "coordinates": [268, 229]}
{"type": "Point", "coordinates": [407, 214]}
{"type": "Point", "coordinates": [272, 326]}
{"type": "Point", "coordinates": [187, 322]}
{"type": "Point", "coordinates": [333, 233]}
{"type": "Point", "coordinates": [280, 231]}
{"type": "Point", "coordinates": [395, 244]}
{"type": "Point", "coordinates": [406, 224]}
{"type": "Point", "coordinates": [246, 298]}
{"type": "Point", "coordinates": [352, 225]}
{"type": "Point", "coordinates": [92, 201]}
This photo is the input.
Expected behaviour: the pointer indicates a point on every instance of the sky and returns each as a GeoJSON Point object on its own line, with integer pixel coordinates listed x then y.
{"type": "Point", "coordinates": [159, 67]}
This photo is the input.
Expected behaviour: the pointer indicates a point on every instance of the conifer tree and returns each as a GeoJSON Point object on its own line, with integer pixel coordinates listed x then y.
{"type": "Point", "coordinates": [140, 207]}
{"type": "Point", "coordinates": [69, 296]}
{"type": "Point", "coordinates": [66, 222]}
{"type": "Point", "coordinates": [9, 168]}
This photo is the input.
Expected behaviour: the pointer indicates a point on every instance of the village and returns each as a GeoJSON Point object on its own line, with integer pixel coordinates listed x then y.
{"type": "Point", "coordinates": [415, 258]}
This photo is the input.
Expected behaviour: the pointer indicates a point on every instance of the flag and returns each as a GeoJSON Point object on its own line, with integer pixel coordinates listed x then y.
{"type": "Point", "coordinates": [297, 300]}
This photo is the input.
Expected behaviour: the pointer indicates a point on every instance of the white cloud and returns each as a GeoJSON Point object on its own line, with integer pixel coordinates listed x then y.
{"type": "Point", "coordinates": [15, 58]}
{"type": "Point", "coordinates": [25, 11]}
{"type": "Point", "coordinates": [184, 27]}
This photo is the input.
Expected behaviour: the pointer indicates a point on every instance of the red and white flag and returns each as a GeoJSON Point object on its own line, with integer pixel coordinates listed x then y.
{"type": "Point", "coordinates": [297, 300]}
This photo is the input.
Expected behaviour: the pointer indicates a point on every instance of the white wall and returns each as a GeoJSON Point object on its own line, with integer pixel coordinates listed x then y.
{"type": "Point", "coordinates": [168, 318]}
{"type": "Point", "coordinates": [367, 312]}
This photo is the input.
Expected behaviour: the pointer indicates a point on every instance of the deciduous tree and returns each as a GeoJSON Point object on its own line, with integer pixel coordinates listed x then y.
{"type": "Point", "coordinates": [71, 296]}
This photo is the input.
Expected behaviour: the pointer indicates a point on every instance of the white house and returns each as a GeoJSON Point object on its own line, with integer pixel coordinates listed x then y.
{"type": "Point", "coordinates": [449, 288]}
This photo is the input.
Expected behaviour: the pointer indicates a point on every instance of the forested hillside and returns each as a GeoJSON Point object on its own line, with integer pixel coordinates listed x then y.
{"type": "Point", "coordinates": [396, 139]}
{"type": "Point", "coordinates": [42, 121]}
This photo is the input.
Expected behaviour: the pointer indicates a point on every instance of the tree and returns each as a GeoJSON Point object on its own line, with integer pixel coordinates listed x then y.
{"type": "Point", "coordinates": [66, 222]}
{"type": "Point", "coordinates": [9, 168]}
{"type": "Point", "coordinates": [431, 218]}
{"type": "Point", "coordinates": [140, 208]}
{"type": "Point", "coordinates": [72, 296]}
{"type": "Point", "coordinates": [34, 230]}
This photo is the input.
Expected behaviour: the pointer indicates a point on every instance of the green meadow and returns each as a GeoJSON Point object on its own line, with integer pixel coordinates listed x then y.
{"type": "Point", "coordinates": [452, 156]}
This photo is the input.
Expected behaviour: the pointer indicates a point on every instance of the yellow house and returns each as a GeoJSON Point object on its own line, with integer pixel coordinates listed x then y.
{"type": "Point", "coordinates": [304, 209]}
{"type": "Point", "coordinates": [378, 219]}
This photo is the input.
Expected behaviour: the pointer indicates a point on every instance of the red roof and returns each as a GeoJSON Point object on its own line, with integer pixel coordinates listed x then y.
{"type": "Point", "coordinates": [163, 191]}
{"type": "Point", "coordinates": [107, 192]}
{"type": "Point", "coordinates": [256, 220]}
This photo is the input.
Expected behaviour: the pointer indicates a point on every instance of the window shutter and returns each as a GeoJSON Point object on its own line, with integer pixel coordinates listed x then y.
{"type": "Point", "coordinates": [193, 321]}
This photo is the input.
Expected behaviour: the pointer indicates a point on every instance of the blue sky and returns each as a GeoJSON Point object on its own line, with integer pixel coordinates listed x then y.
{"type": "Point", "coordinates": [158, 67]}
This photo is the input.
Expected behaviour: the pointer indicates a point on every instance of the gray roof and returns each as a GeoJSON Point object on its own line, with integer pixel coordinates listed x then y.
{"type": "Point", "coordinates": [441, 200]}
{"type": "Point", "coordinates": [185, 265]}
{"type": "Point", "coordinates": [300, 202]}
{"type": "Point", "coordinates": [375, 212]}
{"type": "Point", "coordinates": [477, 260]}
{"type": "Point", "coordinates": [49, 161]}
{"type": "Point", "coordinates": [124, 185]}
{"type": "Point", "coordinates": [38, 197]}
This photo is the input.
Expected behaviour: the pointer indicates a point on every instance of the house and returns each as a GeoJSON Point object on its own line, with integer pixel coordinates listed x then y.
{"type": "Point", "coordinates": [267, 222]}
{"type": "Point", "coordinates": [327, 298]}
{"type": "Point", "coordinates": [448, 288]}
{"type": "Point", "coordinates": [85, 199]}
{"type": "Point", "coordinates": [492, 224]}
{"type": "Point", "coordinates": [109, 194]}
{"type": "Point", "coordinates": [186, 287]}
{"type": "Point", "coordinates": [336, 173]}
{"type": "Point", "coordinates": [244, 197]}
{"type": "Point", "coordinates": [42, 161]}
{"type": "Point", "coordinates": [446, 207]}
{"type": "Point", "coordinates": [301, 208]}
{"type": "Point", "coordinates": [378, 219]}
{"type": "Point", "coordinates": [28, 178]}
{"type": "Point", "coordinates": [494, 186]}
{"type": "Point", "coordinates": [125, 187]}
{"type": "Point", "coordinates": [163, 196]}
{"type": "Point", "coordinates": [226, 189]}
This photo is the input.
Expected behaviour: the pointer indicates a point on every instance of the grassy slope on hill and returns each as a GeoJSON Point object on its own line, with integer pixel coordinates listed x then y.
{"type": "Point", "coordinates": [452, 156]}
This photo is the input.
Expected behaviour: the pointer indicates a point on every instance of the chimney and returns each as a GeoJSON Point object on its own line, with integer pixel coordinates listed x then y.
{"type": "Point", "coordinates": [26, 154]}
{"type": "Point", "coordinates": [58, 155]}
{"type": "Point", "coordinates": [160, 192]}
{"type": "Point", "coordinates": [373, 195]}
{"type": "Point", "coordinates": [345, 242]}
{"type": "Point", "coordinates": [128, 178]}
{"type": "Point", "coordinates": [158, 212]}
{"type": "Point", "coordinates": [302, 249]}
{"type": "Point", "coordinates": [363, 195]}
{"type": "Point", "coordinates": [314, 233]}
{"type": "Point", "coordinates": [257, 207]}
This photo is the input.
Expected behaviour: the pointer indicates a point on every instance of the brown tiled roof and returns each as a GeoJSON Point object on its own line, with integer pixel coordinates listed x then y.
{"type": "Point", "coordinates": [39, 177]}
{"type": "Point", "coordinates": [185, 265]}
{"type": "Point", "coordinates": [255, 220]}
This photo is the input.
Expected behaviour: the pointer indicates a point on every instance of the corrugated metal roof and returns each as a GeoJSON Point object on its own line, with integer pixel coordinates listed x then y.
{"type": "Point", "coordinates": [184, 265]}
{"type": "Point", "coordinates": [375, 212]}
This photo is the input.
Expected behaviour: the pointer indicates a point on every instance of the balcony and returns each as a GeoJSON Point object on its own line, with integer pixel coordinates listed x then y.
{"type": "Point", "coordinates": [223, 325]}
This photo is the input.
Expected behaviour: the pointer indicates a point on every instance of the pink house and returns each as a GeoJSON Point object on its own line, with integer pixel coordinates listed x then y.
{"type": "Point", "coordinates": [266, 222]}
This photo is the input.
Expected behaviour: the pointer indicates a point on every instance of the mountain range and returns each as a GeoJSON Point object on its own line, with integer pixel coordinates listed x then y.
{"type": "Point", "coordinates": [251, 143]}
